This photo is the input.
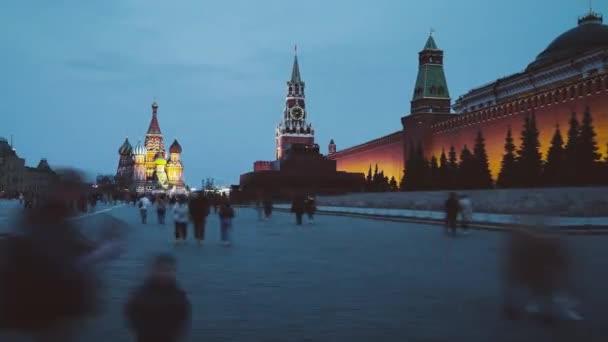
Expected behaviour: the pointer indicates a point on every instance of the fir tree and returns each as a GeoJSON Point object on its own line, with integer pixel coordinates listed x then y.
{"type": "Point", "coordinates": [409, 175]}
{"type": "Point", "coordinates": [452, 175]}
{"type": "Point", "coordinates": [553, 172]}
{"type": "Point", "coordinates": [483, 177]}
{"type": "Point", "coordinates": [529, 159]}
{"type": "Point", "coordinates": [444, 171]}
{"type": "Point", "coordinates": [587, 152]}
{"type": "Point", "coordinates": [507, 175]}
{"type": "Point", "coordinates": [466, 169]}
{"type": "Point", "coordinates": [368, 179]}
{"type": "Point", "coordinates": [393, 184]}
{"type": "Point", "coordinates": [422, 170]}
{"type": "Point", "coordinates": [571, 158]}
{"type": "Point", "coordinates": [434, 182]}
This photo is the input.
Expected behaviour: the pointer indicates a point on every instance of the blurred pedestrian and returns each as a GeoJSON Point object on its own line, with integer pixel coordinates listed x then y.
{"type": "Point", "coordinates": [47, 281]}
{"type": "Point", "coordinates": [92, 202]}
{"type": "Point", "coordinates": [226, 214]}
{"type": "Point", "coordinates": [451, 212]}
{"type": "Point", "coordinates": [466, 212]}
{"type": "Point", "coordinates": [267, 207]}
{"type": "Point", "coordinates": [161, 209]}
{"type": "Point", "coordinates": [159, 310]}
{"type": "Point", "coordinates": [199, 208]}
{"type": "Point", "coordinates": [180, 219]}
{"type": "Point", "coordinates": [297, 207]}
{"type": "Point", "coordinates": [537, 271]}
{"type": "Point", "coordinates": [143, 204]}
{"type": "Point", "coordinates": [21, 198]}
{"type": "Point", "coordinates": [259, 208]}
{"type": "Point", "coordinates": [310, 208]}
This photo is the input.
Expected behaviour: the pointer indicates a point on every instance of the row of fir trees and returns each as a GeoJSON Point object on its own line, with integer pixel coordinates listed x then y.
{"type": "Point", "coordinates": [575, 162]}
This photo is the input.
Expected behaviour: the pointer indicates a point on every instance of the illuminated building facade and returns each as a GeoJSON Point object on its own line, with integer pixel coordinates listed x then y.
{"type": "Point", "coordinates": [569, 75]}
{"type": "Point", "coordinates": [148, 165]}
{"type": "Point", "coordinates": [294, 129]}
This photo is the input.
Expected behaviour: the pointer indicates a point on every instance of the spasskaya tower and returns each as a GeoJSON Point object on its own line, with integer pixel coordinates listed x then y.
{"type": "Point", "coordinates": [294, 128]}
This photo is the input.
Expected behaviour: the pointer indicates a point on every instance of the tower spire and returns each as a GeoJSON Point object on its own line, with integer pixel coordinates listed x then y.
{"type": "Point", "coordinates": [295, 71]}
{"type": "Point", "coordinates": [154, 127]}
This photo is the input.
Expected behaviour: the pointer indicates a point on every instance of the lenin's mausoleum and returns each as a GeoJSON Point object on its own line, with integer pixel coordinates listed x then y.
{"type": "Point", "coordinates": [569, 75]}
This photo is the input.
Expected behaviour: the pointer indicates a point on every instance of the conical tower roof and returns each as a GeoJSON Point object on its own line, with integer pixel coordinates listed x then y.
{"type": "Point", "coordinates": [430, 43]}
{"type": "Point", "coordinates": [295, 71]}
{"type": "Point", "coordinates": [154, 127]}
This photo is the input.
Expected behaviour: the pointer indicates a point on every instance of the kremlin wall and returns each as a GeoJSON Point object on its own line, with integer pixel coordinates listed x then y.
{"type": "Point", "coordinates": [569, 75]}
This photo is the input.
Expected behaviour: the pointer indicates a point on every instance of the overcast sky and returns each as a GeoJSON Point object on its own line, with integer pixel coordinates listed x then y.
{"type": "Point", "coordinates": [79, 76]}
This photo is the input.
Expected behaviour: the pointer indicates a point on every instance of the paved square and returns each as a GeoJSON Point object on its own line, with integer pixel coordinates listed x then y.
{"type": "Point", "coordinates": [341, 279]}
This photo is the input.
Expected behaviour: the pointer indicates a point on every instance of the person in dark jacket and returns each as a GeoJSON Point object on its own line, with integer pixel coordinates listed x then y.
{"type": "Point", "coordinates": [297, 207]}
{"type": "Point", "coordinates": [267, 203]}
{"type": "Point", "coordinates": [310, 208]}
{"type": "Point", "coordinates": [226, 215]}
{"type": "Point", "coordinates": [159, 310]}
{"type": "Point", "coordinates": [47, 278]}
{"type": "Point", "coordinates": [199, 208]}
{"type": "Point", "coordinates": [451, 212]}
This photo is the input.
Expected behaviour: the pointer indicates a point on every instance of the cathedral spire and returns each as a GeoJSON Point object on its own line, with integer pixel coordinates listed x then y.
{"type": "Point", "coordinates": [154, 127]}
{"type": "Point", "coordinates": [295, 71]}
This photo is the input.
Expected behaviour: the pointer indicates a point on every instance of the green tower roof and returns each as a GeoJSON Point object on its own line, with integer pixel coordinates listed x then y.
{"type": "Point", "coordinates": [430, 44]}
{"type": "Point", "coordinates": [431, 82]}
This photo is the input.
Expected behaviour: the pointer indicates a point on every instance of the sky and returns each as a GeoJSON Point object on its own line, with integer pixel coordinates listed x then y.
{"type": "Point", "coordinates": [80, 76]}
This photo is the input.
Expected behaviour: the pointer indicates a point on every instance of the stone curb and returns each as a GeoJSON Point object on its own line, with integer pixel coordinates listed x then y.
{"type": "Point", "coordinates": [569, 229]}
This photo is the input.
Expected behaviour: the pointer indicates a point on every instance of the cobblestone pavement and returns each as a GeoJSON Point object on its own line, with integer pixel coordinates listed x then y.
{"type": "Point", "coordinates": [342, 279]}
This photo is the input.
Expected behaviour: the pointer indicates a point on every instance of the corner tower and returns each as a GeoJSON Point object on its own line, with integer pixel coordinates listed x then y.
{"type": "Point", "coordinates": [294, 128]}
{"type": "Point", "coordinates": [431, 93]}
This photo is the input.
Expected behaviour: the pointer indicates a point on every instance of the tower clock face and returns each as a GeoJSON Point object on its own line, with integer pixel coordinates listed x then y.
{"type": "Point", "coordinates": [297, 113]}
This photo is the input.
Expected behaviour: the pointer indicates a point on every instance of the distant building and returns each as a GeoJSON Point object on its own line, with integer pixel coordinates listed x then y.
{"type": "Point", "coordinates": [147, 168]}
{"type": "Point", "coordinates": [16, 177]}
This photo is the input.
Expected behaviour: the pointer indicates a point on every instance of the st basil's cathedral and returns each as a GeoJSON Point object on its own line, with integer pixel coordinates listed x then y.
{"type": "Point", "coordinates": [148, 168]}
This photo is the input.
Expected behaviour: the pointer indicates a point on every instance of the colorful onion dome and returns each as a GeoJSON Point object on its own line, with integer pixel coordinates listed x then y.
{"type": "Point", "coordinates": [140, 150]}
{"type": "Point", "coordinates": [175, 147]}
{"type": "Point", "coordinates": [126, 149]}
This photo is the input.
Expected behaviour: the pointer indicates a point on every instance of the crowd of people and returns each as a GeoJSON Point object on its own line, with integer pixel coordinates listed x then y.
{"type": "Point", "coordinates": [194, 209]}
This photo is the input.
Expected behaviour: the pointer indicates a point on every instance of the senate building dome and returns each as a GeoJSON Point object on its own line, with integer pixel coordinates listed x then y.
{"type": "Point", "coordinates": [590, 34]}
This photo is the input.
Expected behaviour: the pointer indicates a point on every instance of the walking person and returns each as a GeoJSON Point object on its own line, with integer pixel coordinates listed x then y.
{"type": "Point", "coordinates": [199, 210]}
{"type": "Point", "coordinates": [451, 211]}
{"type": "Point", "coordinates": [143, 204]}
{"type": "Point", "coordinates": [267, 208]}
{"type": "Point", "coordinates": [161, 209]}
{"type": "Point", "coordinates": [297, 207]}
{"type": "Point", "coordinates": [259, 208]}
{"type": "Point", "coordinates": [159, 310]}
{"type": "Point", "coordinates": [48, 279]}
{"type": "Point", "coordinates": [180, 218]}
{"type": "Point", "coordinates": [226, 214]}
{"type": "Point", "coordinates": [466, 212]}
{"type": "Point", "coordinates": [310, 208]}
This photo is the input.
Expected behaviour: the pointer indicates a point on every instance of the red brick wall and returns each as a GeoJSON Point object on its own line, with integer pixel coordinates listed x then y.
{"type": "Point", "coordinates": [495, 121]}
{"type": "Point", "coordinates": [387, 152]}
